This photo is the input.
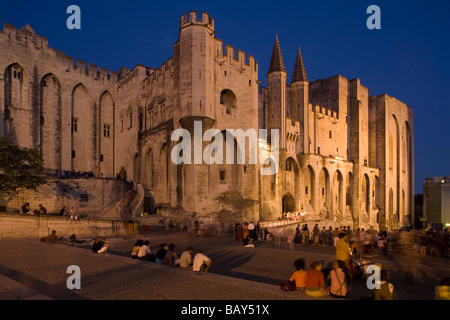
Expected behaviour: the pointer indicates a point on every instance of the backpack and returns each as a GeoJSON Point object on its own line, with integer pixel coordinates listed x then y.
{"type": "Point", "coordinates": [287, 285]}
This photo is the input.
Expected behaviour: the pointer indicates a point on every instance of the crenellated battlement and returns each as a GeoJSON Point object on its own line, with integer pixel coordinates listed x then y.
{"type": "Point", "coordinates": [191, 19]}
{"type": "Point", "coordinates": [139, 72]}
{"type": "Point", "coordinates": [89, 69]}
{"type": "Point", "coordinates": [322, 112]}
{"type": "Point", "coordinates": [27, 36]}
{"type": "Point", "coordinates": [154, 74]}
{"type": "Point", "coordinates": [236, 58]}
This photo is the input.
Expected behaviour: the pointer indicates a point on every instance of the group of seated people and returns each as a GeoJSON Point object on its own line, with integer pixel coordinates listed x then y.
{"type": "Point", "coordinates": [26, 209]}
{"type": "Point", "coordinates": [167, 255]}
{"type": "Point", "coordinates": [337, 282]}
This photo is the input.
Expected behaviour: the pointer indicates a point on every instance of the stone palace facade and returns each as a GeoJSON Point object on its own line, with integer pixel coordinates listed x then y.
{"type": "Point", "coordinates": [344, 155]}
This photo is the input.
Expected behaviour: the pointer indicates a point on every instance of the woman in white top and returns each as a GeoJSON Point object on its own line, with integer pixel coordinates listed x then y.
{"type": "Point", "coordinates": [201, 262]}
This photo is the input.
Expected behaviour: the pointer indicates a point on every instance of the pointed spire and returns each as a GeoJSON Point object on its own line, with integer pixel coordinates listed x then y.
{"type": "Point", "coordinates": [299, 69]}
{"type": "Point", "coordinates": [276, 62]}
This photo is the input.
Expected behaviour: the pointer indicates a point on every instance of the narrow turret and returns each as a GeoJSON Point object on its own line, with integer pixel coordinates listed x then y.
{"type": "Point", "coordinates": [299, 73]}
{"type": "Point", "coordinates": [276, 61]}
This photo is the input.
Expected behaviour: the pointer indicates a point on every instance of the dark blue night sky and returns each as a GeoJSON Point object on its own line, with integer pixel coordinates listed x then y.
{"type": "Point", "coordinates": [409, 58]}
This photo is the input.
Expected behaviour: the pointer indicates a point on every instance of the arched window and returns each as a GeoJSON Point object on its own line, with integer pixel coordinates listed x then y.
{"type": "Point", "coordinates": [130, 117]}
{"type": "Point", "coordinates": [228, 99]}
{"type": "Point", "coordinates": [391, 201]}
{"type": "Point", "coordinates": [290, 164]}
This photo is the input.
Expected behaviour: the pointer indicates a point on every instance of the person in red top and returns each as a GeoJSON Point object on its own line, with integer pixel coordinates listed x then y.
{"type": "Point", "coordinates": [315, 281]}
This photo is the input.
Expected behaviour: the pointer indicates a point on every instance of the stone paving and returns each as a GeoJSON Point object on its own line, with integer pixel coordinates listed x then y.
{"type": "Point", "coordinates": [30, 269]}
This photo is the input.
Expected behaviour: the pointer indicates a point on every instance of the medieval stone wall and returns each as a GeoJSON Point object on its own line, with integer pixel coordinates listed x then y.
{"type": "Point", "coordinates": [343, 153]}
{"type": "Point", "coordinates": [53, 103]}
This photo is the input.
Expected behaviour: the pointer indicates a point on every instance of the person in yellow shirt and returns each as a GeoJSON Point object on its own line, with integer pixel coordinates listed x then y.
{"type": "Point", "coordinates": [343, 248]}
{"type": "Point", "coordinates": [300, 275]}
{"type": "Point", "coordinates": [442, 291]}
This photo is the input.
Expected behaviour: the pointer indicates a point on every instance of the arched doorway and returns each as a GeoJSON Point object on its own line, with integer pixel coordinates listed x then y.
{"type": "Point", "coordinates": [338, 189]}
{"type": "Point", "coordinates": [309, 182]}
{"type": "Point", "coordinates": [291, 178]}
{"type": "Point", "coordinates": [288, 203]}
{"type": "Point", "coordinates": [149, 203]}
{"type": "Point", "coordinates": [324, 189]}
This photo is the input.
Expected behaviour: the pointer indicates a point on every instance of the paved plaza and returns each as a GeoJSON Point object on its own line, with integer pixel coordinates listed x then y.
{"type": "Point", "coordinates": [30, 269]}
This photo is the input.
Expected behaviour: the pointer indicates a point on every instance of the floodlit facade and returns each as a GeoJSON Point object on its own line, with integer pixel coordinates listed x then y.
{"type": "Point", "coordinates": [436, 202]}
{"type": "Point", "coordinates": [344, 155]}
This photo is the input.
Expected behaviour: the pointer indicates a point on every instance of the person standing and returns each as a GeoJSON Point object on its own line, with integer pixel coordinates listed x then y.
{"type": "Point", "coordinates": [343, 252]}
{"type": "Point", "coordinates": [324, 237]}
{"type": "Point", "coordinates": [298, 237]}
{"type": "Point", "coordinates": [316, 235]}
{"type": "Point", "coordinates": [239, 232]}
{"type": "Point", "coordinates": [336, 234]}
{"type": "Point", "coordinates": [245, 230]}
{"type": "Point", "coordinates": [348, 232]}
{"type": "Point", "coordinates": [305, 234]}
{"type": "Point", "coordinates": [251, 230]}
{"type": "Point", "coordinates": [257, 233]}
{"type": "Point", "coordinates": [330, 236]}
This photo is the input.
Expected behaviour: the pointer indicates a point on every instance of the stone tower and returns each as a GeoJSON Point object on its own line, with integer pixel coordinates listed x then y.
{"type": "Point", "coordinates": [276, 82]}
{"type": "Point", "coordinates": [196, 65]}
{"type": "Point", "coordinates": [300, 101]}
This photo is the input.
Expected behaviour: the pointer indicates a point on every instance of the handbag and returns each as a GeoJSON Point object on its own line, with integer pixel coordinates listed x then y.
{"type": "Point", "coordinates": [287, 285]}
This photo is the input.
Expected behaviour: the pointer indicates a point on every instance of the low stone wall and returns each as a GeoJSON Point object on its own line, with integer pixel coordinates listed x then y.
{"type": "Point", "coordinates": [22, 226]}
{"type": "Point", "coordinates": [92, 196]}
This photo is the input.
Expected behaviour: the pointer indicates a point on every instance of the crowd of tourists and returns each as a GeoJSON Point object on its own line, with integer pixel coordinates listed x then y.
{"type": "Point", "coordinates": [369, 241]}
{"type": "Point", "coordinates": [167, 255]}
{"type": "Point", "coordinates": [347, 267]}
{"type": "Point", "coordinates": [251, 231]}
